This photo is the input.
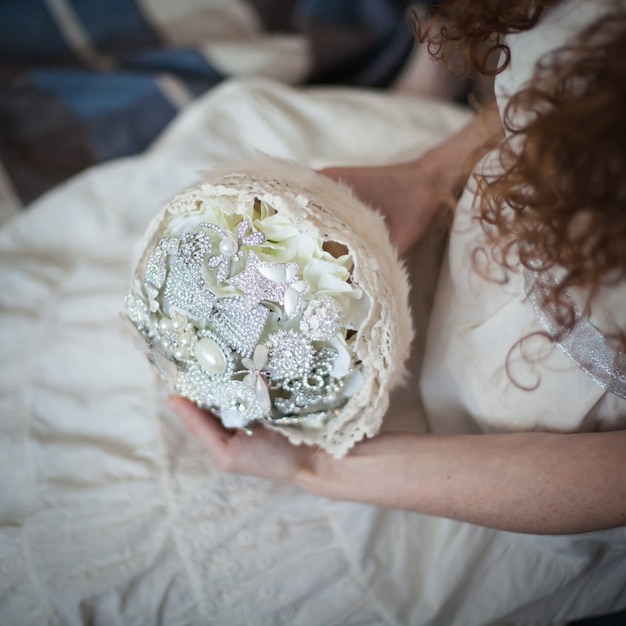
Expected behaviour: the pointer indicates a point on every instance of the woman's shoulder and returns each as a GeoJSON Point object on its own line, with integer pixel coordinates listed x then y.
{"type": "Point", "coordinates": [558, 26]}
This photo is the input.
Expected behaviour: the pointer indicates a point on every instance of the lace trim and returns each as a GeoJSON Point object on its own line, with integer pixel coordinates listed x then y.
{"type": "Point", "coordinates": [584, 344]}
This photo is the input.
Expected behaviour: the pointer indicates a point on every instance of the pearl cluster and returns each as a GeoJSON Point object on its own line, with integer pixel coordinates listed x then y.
{"type": "Point", "coordinates": [322, 319]}
{"type": "Point", "coordinates": [177, 337]}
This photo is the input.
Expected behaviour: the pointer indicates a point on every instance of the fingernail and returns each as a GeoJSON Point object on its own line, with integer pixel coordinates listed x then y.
{"type": "Point", "coordinates": [177, 404]}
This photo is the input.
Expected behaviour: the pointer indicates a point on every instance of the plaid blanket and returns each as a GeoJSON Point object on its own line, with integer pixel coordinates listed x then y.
{"type": "Point", "coordinates": [84, 81]}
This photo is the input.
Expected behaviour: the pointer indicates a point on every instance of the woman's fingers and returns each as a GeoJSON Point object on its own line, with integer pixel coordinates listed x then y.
{"type": "Point", "coordinates": [202, 424]}
{"type": "Point", "coordinates": [401, 192]}
{"type": "Point", "coordinates": [266, 454]}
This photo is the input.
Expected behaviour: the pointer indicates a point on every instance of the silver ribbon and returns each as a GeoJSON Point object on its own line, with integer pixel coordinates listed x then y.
{"type": "Point", "coordinates": [584, 344]}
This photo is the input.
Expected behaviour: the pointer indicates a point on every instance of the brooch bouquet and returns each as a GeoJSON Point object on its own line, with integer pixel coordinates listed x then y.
{"type": "Point", "coordinates": [269, 294]}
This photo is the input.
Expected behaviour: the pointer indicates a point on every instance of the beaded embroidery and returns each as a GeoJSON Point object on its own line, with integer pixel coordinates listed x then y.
{"type": "Point", "coordinates": [261, 354]}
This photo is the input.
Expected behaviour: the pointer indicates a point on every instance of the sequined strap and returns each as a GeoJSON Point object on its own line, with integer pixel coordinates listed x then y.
{"type": "Point", "coordinates": [584, 344]}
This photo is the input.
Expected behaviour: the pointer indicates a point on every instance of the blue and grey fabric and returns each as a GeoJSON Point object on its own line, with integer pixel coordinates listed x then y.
{"type": "Point", "coordinates": [85, 81]}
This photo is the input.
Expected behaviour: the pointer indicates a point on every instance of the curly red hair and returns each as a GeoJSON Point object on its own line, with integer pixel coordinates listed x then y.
{"type": "Point", "coordinates": [560, 200]}
{"type": "Point", "coordinates": [467, 34]}
{"type": "Point", "coordinates": [564, 169]}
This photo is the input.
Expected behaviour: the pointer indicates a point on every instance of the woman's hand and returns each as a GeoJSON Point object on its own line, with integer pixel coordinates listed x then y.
{"type": "Point", "coordinates": [411, 194]}
{"type": "Point", "coordinates": [265, 453]}
{"type": "Point", "coordinates": [406, 194]}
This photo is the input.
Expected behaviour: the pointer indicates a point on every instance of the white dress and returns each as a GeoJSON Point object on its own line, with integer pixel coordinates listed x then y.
{"type": "Point", "coordinates": [110, 511]}
{"type": "Point", "coordinates": [465, 384]}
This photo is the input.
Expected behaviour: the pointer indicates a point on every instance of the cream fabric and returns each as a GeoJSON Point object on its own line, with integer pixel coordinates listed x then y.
{"type": "Point", "coordinates": [466, 384]}
{"type": "Point", "coordinates": [111, 512]}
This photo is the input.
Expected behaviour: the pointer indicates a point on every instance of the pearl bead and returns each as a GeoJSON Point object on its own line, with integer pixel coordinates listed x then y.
{"type": "Point", "coordinates": [178, 322]}
{"type": "Point", "coordinates": [210, 356]}
{"type": "Point", "coordinates": [229, 246]}
{"type": "Point", "coordinates": [164, 324]}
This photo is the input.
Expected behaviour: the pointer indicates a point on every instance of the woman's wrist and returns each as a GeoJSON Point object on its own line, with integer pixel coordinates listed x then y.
{"type": "Point", "coordinates": [313, 475]}
{"type": "Point", "coordinates": [363, 474]}
{"type": "Point", "coordinates": [450, 163]}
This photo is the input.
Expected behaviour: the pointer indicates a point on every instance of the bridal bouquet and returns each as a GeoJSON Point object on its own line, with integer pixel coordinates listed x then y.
{"type": "Point", "coordinates": [269, 294]}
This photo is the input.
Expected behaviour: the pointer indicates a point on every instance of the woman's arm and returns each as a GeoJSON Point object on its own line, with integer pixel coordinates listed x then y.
{"type": "Point", "coordinates": [527, 482]}
{"type": "Point", "coordinates": [410, 194]}
{"type": "Point", "coordinates": [524, 482]}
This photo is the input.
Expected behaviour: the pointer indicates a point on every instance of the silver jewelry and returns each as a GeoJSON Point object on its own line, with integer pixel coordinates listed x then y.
{"type": "Point", "coordinates": [272, 282]}
{"type": "Point", "coordinates": [257, 356]}
{"type": "Point", "coordinates": [230, 247]}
